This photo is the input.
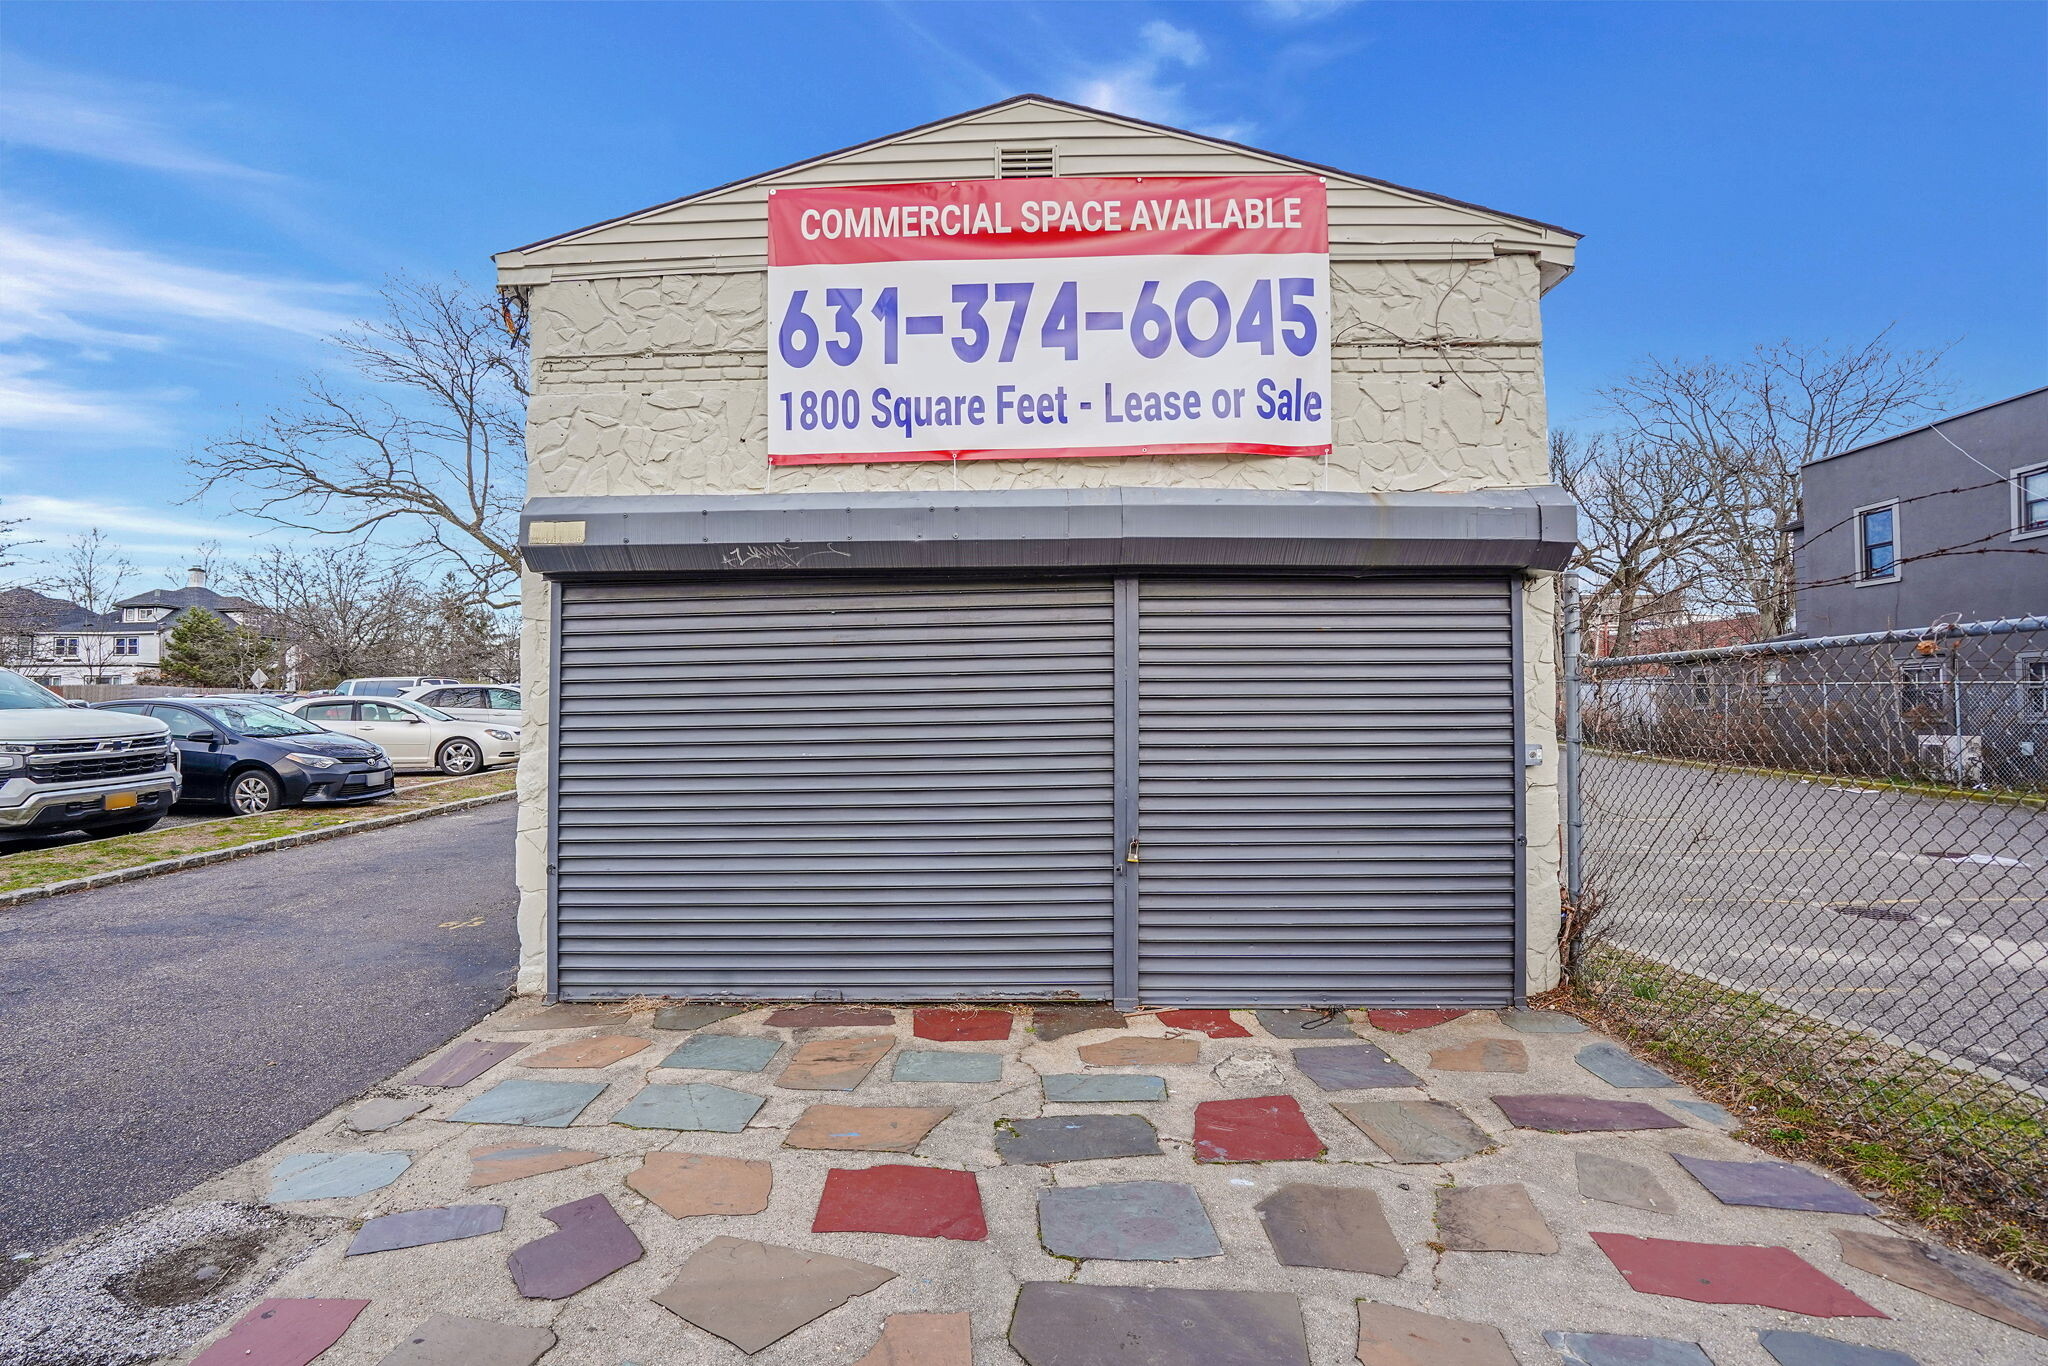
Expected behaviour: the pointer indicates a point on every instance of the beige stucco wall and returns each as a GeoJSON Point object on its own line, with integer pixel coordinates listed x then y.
{"type": "Point", "coordinates": [659, 385]}
{"type": "Point", "coordinates": [530, 853]}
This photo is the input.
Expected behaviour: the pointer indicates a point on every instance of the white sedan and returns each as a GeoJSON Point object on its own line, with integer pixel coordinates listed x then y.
{"type": "Point", "coordinates": [415, 735]}
{"type": "Point", "coordinates": [497, 703]}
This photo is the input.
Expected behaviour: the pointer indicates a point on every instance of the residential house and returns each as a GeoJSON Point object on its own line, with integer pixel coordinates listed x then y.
{"type": "Point", "coordinates": [73, 645]}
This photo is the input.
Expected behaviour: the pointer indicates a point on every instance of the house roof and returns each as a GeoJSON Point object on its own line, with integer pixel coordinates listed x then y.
{"type": "Point", "coordinates": [1048, 101]}
{"type": "Point", "coordinates": [24, 609]}
{"type": "Point", "coordinates": [1930, 426]}
{"type": "Point", "coordinates": [189, 597]}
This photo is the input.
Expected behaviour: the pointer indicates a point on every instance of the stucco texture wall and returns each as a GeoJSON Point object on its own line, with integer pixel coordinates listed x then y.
{"type": "Point", "coordinates": [530, 848]}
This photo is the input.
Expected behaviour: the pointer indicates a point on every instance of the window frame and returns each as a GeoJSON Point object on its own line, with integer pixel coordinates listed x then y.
{"type": "Point", "coordinates": [2033, 693]}
{"type": "Point", "coordinates": [64, 647]}
{"type": "Point", "coordinates": [1911, 677]}
{"type": "Point", "coordinates": [2017, 481]}
{"type": "Point", "coordinates": [1864, 579]}
{"type": "Point", "coordinates": [128, 647]}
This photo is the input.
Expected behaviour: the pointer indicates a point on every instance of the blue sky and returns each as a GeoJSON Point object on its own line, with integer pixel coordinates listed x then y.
{"type": "Point", "coordinates": [195, 193]}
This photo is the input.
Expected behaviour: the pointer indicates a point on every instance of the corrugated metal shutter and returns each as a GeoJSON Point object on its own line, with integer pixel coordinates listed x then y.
{"type": "Point", "coordinates": [1327, 779]}
{"type": "Point", "coordinates": [814, 788]}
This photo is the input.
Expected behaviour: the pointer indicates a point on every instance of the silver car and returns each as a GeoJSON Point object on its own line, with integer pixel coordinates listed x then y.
{"type": "Point", "coordinates": [498, 703]}
{"type": "Point", "coordinates": [416, 736]}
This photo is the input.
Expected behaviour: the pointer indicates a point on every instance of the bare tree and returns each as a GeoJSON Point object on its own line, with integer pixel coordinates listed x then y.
{"type": "Point", "coordinates": [1646, 513]}
{"type": "Point", "coordinates": [92, 570]}
{"type": "Point", "coordinates": [1751, 426]}
{"type": "Point", "coordinates": [427, 455]}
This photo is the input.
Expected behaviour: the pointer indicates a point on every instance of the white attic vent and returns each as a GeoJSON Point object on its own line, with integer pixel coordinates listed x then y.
{"type": "Point", "coordinates": [1023, 163]}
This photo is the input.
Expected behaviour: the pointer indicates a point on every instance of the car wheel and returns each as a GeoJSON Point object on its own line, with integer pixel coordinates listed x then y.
{"type": "Point", "coordinates": [127, 827]}
{"type": "Point", "coordinates": [253, 791]}
{"type": "Point", "coordinates": [458, 757]}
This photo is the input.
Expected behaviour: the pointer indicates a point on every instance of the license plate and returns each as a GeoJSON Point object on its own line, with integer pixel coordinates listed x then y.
{"type": "Point", "coordinates": [378, 775]}
{"type": "Point", "coordinates": [120, 801]}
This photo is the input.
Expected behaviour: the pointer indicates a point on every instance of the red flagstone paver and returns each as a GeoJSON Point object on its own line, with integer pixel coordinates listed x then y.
{"type": "Point", "coordinates": [922, 1340]}
{"type": "Point", "coordinates": [1482, 1055]}
{"type": "Point", "coordinates": [1056, 1022]}
{"type": "Point", "coordinates": [830, 1017]}
{"type": "Point", "coordinates": [1261, 1129]}
{"type": "Point", "coordinates": [1391, 1336]}
{"type": "Point", "coordinates": [1567, 1114]}
{"type": "Point", "coordinates": [465, 1062]}
{"type": "Point", "coordinates": [1408, 1021]}
{"type": "Point", "coordinates": [513, 1161]}
{"type": "Point", "coordinates": [1139, 1050]}
{"type": "Point", "coordinates": [1967, 1282]}
{"type": "Point", "coordinates": [1721, 1273]}
{"type": "Point", "coordinates": [688, 1184]}
{"type": "Point", "coordinates": [834, 1064]}
{"type": "Point", "coordinates": [753, 1294]}
{"type": "Point", "coordinates": [1217, 1024]}
{"type": "Point", "coordinates": [864, 1128]}
{"type": "Point", "coordinates": [601, 1051]}
{"type": "Point", "coordinates": [914, 1202]}
{"type": "Point", "coordinates": [283, 1333]}
{"type": "Point", "coordinates": [451, 1340]}
{"type": "Point", "coordinates": [961, 1026]}
{"type": "Point", "coordinates": [589, 1244]}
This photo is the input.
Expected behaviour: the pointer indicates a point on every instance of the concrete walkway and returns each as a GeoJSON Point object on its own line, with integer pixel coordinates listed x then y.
{"type": "Point", "coordinates": [898, 1187]}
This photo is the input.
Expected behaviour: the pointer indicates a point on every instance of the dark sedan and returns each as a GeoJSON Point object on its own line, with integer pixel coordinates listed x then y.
{"type": "Point", "coordinates": [255, 757]}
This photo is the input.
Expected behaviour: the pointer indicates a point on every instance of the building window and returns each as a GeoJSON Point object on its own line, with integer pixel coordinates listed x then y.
{"type": "Point", "coordinates": [66, 647]}
{"type": "Point", "coordinates": [1923, 689]}
{"type": "Point", "coordinates": [1702, 689]}
{"type": "Point", "coordinates": [127, 645]}
{"type": "Point", "coordinates": [1877, 543]}
{"type": "Point", "coordinates": [2034, 688]}
{"type": "Point", "coordinates": [2030, 501]}
{"type": "Point", "coordinates": [1770, 685]}
{"type": "Point", "coordinates": [1026, 163]}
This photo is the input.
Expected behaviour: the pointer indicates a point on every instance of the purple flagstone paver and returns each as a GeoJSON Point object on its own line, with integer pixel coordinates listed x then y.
{"type": "Point", "coordinates": [830, 1017]}
{"type": "Point", "coordinates": [534, 1104]}
{"type": "Point", "coordinates": [1706, 1110]}
{"type": "Point", "coordinates": [910, 1202]}
{"type": "Point", "coordinates": [1621, 1183]}
{"type": "Point", "coordinates": [516, 1161]}
{"type": "Point", "coordinates": [753, 1294]}
{"type": "Point", "coordinates": [1542, 1021]}
{"type": "Point", "coordinates": [1255, 1129]}
{"type": "Point", "coordinates": [1721, 1273]}
{"type": "Point", "coordinates": [1126, 1221]}
{"type": "Point", "coordinates": [1057, 1324]}
{"type": "Point", "coordinates": [451, 1340]}
{"type": "Point", "coordinates": [1582, 1114]}
{"type": "Point", "coordinates": [1620, 1349]}
{"type": "Point", "coordinates": [1056, 1022]}
{"type": "Point", "coordinates": [698, 1107]}
{"type": "Point", "coordinates": [1773, 1185]}
{"type": "Point", "coordinates": [283, 1333]}
{"type": "Point", "coordinates": [591, 1241]}
{"type": "Point", "coordinates": [1416, 1130]}
{"type": "Point", "coordinates": [1352, 1067]}
{"type": "Point", "coordinates": [1617, 1066]}
{"type": "Point", "coordinates": [725, 1053]}
{"type": "Point", "coordinates": [1389, 1335]}
{"type": "Point", "coordinates": [373, 1117]}
{"type": "Point", "coordinates": [1098, 1088]}
{"type": "Point", "coordinates": [1339, 1227]}
{"type": "Point", "coordinates": [1788, 1348]}
{"type": "Point", "coordinates": [333, 1176]}
{"type": "Point", "coordinates": [932, 1065]}
{"type": "Point", "coordinates": [1307, 1024]}
{"type": "Point", "coordinates": [420, 1227]}
{"type": "Point", "coordinates": [1074, 1138]}
{"type": "Point", "coordinates": [1967, 1282]}
{"type": "Point", "coordinates": [694, 1016]}
{"type": "Point", "coordinates": [565, 1016]}
{"type": "Point", "coordinates": [465, 1062]}
{"type": "Point", "coordinates": [1499, 1218]}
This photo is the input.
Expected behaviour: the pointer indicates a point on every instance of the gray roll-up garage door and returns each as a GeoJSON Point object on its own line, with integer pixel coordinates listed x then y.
{"type": "Point", "coordinates": [838, 789]}
{"type": "Point", "coordinates": [1327, 792]}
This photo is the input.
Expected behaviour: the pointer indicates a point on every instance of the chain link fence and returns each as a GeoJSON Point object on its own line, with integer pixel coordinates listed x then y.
{"type": "Point", "coordinates": [1817, 872]}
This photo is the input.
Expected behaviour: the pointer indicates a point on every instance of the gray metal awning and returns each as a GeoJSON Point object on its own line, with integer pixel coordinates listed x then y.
{"type": "Point", "coordinates": [1048, 529]}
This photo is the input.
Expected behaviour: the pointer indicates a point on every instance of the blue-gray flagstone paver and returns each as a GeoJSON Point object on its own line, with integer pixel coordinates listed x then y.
{"type": "Point", "coordinates": [1707, 1110]}
{"type": "Point", "coordinates": [330, 1176]}
{"type": "Point", "coordinates": [933, 1065]}
{"type": "Point", "coordinates": [699, 1106]}
{"type": "Point", "coordinates": [1352, 1067]}
{"type": "Point", "coordinates": [725, 1053]}
{"type": "Point", "coordinates": [1126, 1221]}
{"type": "Point", "coordinates": [1075, 1138]}
{"type": "Point", "coordinates": [538, 1104]}
{"type": "Point", "coordinates": [1307, 1024]}
{"type": "Point", "coordinates": [1616, 1066]}
{"type": "Point", "coordinates": [1773, 1185]}
{"type": "Point", "coordinates": [1085, 1088]}
{"type": "Point", "coordinates": [1620, 1349]}
{"type": "Point", "coordinates": [420, 1227]}
{"type": "Point", "coordinates": [1542, 1021]}
{"type": "Point", "coordinates": [1788, 1348]}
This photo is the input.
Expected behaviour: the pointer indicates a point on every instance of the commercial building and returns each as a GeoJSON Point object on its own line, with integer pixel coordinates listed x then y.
{"type": "Point", "coordinates": [1042, 554]}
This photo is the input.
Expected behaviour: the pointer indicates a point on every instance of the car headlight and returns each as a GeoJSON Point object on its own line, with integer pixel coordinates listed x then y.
{"type": "Point", "coordinates": [497, 734]}
{"type": "Point", "coordinates": [313, 760]}
{"type": "Point", "coordinates": [9, 762]}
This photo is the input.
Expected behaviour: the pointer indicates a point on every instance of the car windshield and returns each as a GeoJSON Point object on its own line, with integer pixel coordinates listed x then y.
{"type": "Point", "coordinates": [431, 713]}
{"type": "Point", "coordinates": [18, 694]}
{"type": "Point", "coordinates": [259, 719]}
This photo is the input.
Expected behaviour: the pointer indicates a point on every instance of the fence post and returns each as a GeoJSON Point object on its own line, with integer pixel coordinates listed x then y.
{"type": "Point", "coordinates": [1574, 742]}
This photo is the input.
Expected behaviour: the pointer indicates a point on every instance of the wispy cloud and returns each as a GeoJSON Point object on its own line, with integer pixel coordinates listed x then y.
{"type": "Point", "coordinates": [1149, 86]}
{"type": "Point", "coordinates": [1302, 11]}
{"type": "Point", "coordinates": [75, 115]}
{"type": "Point", "coordinates": [31, 401]}
{"type": "Point", "coordinates": [54, 516]}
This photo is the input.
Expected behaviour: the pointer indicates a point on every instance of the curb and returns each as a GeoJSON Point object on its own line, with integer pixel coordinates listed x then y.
{"type": "Point", "coordinates": [8, 900]}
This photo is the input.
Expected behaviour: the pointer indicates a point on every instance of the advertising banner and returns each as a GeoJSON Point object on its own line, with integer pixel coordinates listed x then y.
{"type": "Point", "coordinates": [1016, 319]}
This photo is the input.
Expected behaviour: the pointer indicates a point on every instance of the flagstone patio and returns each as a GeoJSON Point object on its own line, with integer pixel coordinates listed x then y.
{"type": "Point", "coordinates": [1071, 1187]}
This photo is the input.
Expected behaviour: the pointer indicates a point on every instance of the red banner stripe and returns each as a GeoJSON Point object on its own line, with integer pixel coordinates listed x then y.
{"type": "Point", "coordinates": [1047, 453]}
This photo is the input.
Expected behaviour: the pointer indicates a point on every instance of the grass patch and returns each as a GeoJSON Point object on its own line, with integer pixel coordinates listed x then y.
{"type": "Point", "coordinates": [37, 867]}
{"type": "Point", "coordinates": [1962, 1153]}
